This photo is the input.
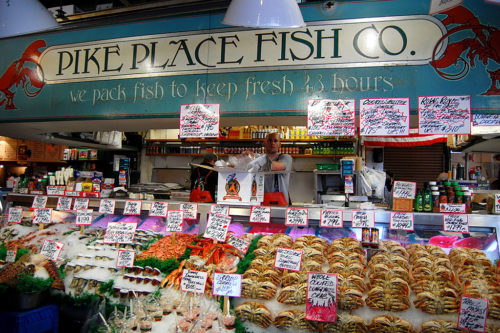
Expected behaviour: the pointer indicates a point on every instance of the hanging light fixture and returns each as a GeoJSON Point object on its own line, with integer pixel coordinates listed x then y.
{"type": "Point", "coordinates": [264, 14]}
{"type": "Point", "coordinates": [18, 17]}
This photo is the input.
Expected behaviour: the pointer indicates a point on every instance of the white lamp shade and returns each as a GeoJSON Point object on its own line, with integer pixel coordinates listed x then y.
{"type": "Point", "coordinates": [264, 14]}
{"type": "Point", "coordinates": [18, 17]}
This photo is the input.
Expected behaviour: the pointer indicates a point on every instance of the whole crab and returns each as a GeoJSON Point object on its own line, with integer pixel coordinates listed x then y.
{"type": "Point", "coordinates": [390, 259]}
{"type": "Point", "coordinates": [295, 294]}
{"type": "Point", "coordinates": [290, 278]}
{"type": "Point", "coordinates": [275, 240]}
{"type": "Point", "coordinates": [387, 299]}
{"type": "Point", "coordinates": [352, 281]}
{"type": "Point", "coordinates": [347, 323]}
{"type": "Point", "coordinates": [390, 324]}
{"type": "Point", "coordinates": [349, 298]}
{"type": "Point", "coordinates": [312, 242]}
{"type": "Point", "coordinates": [294, 319]}
{"type": "Point", "coordinates": [258, 289]}
{"type": "Point", "coordinates": [439, 326]}
{"type": "Point", "coordinates": [346, 244]}
{"type": "Point", "coordinates": [263, 275]}
{"type": "Point", "coordinates": [433, 303]}
{"type": "Point", "coordinates": [382, 271]}
{"type": "Point", "coordinates": [254, 312]}
{"type": "Point", "coordinates": [346, 257]}
{"type": "Point", "coordinates": [343, 269]}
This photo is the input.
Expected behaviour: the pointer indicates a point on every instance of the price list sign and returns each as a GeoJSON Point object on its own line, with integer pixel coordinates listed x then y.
{"type": "Point", "coordinates": [81, 203]}
{"type": "Point", "coordinates": [84, 216]}
{"type": "Point", "coordinates": [217, 227]}
{"type": "Point", "coordinates": [15, 215]}
{"type": "Point", "coordinates": [159, 209]}
{"type": "Point", "coordinates": [51, 249]}
{"type": "Point", "coordinates": [199, 121]}
{"type": "Point", "coordinates": [260, 214]}
{"type": "Point", "coordinates": [288, 259]}
{"type": "Point", "coordinates": [363, 219]}
{"type": "Point", "coordinates": [107, 206]}
{"type": "Point", "coordinates": [238, 243]}
{"type": "Point", "coordinates": [444, 115]}
{"type": "Point", "coordinates": [174, 220]}
{"type": "Point", "coordinates": [473, 314]}
{"type": "Point", "coordinates": [227, 285]}
{"type": "Point", "coordinates": [219, 209]}
{"type": "Point", "coordinates": [456, 223]}
{"type": "Point", "coordinates": [125, 258]}
{"type": "Point", "coordinates": [39, 201]}
{"type": "Point", "coordinates": [296, 216]}
{"type": "Point", "coordinates": [486, 119]}
{"type": "Point", "coordinates": [64, 203]}
{"type": "Point", "coordinates": [120, 232]}
{"type": "Point", "coordinates": [321, 304]}
{"type": "Point", "coordinates": [331, 218]}
{"type": "Point", "coordinates": [404, 190]}
{"type": "Point", "coordinates": [42, 215]}
{"type": "Point", "coordinates": [331, 117]}
{"type": "Point", "coordinates": [10, 256]}
{"type": "Point", "coordinates": [401, 221]}
{"type": "Point", "coordinates": [193, 281]}
{"type": "Point", "coordinates": [190, 210]}
{"type": "Point", "coordinates": [132, 207]}
{"type": "Point", "coordinates": [384, 116]}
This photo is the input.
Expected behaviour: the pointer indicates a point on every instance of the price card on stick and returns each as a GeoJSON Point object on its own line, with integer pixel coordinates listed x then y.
{"type": "Point", "coordinates": [132, 207]}
{"type": "Point", "coordinates": [39, 201]}
{"type": "Point", "coordinates": [190, 210]}
{"type": "Point", "coordinates": [81, 203]}
{"type": "Point", "coordinates": [15, 215]}
{"type": "Point", "coordinates": [260, 214]}
{"type": "Point", "coordinates": [401, 221]}
{"type": "Point", "coordinates": [219, 209]}
{"type": "Point", "coordinates": [107, 206]}
{"type": "Point", "coordinates": [11, 256]}
{"type": "Point", "coordinates": [363, 219]}
{"type": "Point", "coordinates": [404, 190]}
{"type": "Point", "coordinates": [51, 249]}
{"type": "Point", "coordinates": [84, 216]}
{"type": "Point", "coordinates": [296, 216]}
{"type": "Point", "coordinates": [42, 216]}
{"type": "Point", "coordinates": [473, 314]}
{"type": "Point", "coordinates": [217, 227]}
{"type": "Point", "coordinates": [321, 304]}
{"type": "Point", "coordinates": [384, 116]}
{"type": "Point", "coordinates": [158, 208]}
{"type": "Point", "coordinates": [288, 259]}
{"type": "Point", "coordinates": [120, 232]}
{"type": "Point", "coordinates": [331, 218]}
{"type": "Point", "coordinates": [64, 203]}
{"type": "Point", "coordinates": [444, 115]}
{"type": "Point", "coordinates": [238, 243]}
{"type": "Point", "coordinates": [125, 258]}
{"type": "Point", "coordinates": [193, 281]}
{"type": "Point", "coordinates": [174, 220]}
{"type": "Point", "coordinates": [456, 223]}
{"type": "Point", "coordinates": [331, 117]}
{"type": "Point", "coordinates": [227, 285]}
{"type": "Point", "coordinates": [199, 121]}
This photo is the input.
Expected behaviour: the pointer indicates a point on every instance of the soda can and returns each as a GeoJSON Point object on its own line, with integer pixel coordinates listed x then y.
{"type": "Point", "coordinates": [374, 238]}
{"type": "Point", "coordinates": [365, 236]}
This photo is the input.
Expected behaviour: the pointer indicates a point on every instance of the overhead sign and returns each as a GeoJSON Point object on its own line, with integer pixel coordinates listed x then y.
{"type": "Point", "coordinates": [384, 116]}
{"type": "Point", "coordinates": [331, 117]}
{"type": "Point", "coordinates": [199, 121]}
{"type": "Point", "coordinates": [444, 115]}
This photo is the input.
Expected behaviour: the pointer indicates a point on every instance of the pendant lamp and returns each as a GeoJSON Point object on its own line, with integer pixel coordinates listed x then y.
{"type": "Point", "coordinates": [264, 14]}
{"type": "Point", "coordinates": [18, 17]}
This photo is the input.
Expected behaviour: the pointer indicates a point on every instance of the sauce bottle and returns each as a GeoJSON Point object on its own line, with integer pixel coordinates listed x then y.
{"type": "Point", "coordinates": [418, 206]}
{"type": "Point", "coordinates": [427, 198]}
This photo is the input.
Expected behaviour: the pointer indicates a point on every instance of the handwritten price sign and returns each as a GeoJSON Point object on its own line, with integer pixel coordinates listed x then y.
{"type": "Point", "coordinates": [384, 116]}
{"type": "Point", "coordinates": [132, 207]}
{"type": "Point", "coordinates": [296, 216]}
{"type": "Point", "coordinates": [486, 119]}
{"type": "Point", "coordinates": [125, 258]}
{"type": "Point", "coordinates": [456, 223]}
{"type": "Point", "coordinates": [199, 121]}
{"type": "Point", "coordinates": [81, 203]}
{"type": "Point", "coordinates": [51, 249]}
{"type": "Point", "coordinates": [219, 209]}
{"type": "Point", "coordinates": [260, 214]}
{"type": "Point", "coordinates": [452, 208]}
{"type": "Point", "coordinates": [39, 201]}
{"type": "Point", "coordinates": [64, 203]}
{"type": "Point", "coordinates": [174, 220]}
{"type": "Point", "coordinates": [158, 208]}
{"type": "Point", "coordinates": [217, 227]}
{"type": "Point", "coordinates": [238, 243]}
{"type": "Point", "coordinates": [193, 281]}
{"type": "Point", "coordinates": [288, 259]}
{"type": "Point", "coordinates": [404, 190]}
{"type": "Point", "coordinates": [331, 117]}
{"type": "Point", "coordinates": [120, 232]}
{"type": "Point", "coordinates": [363, 219]}
{"type": "Point", "coordinates": [10, 256]}
{"type": "Point", "coordinates": [107, 206]}
{"type": "Point", "coordinates": [15, 215]}
{"type": "Point", "coordinates": [55, 190]}
{"type": "Point", "coordinates": [401, 221]}
{"type": "Point", "coordinates": [42, 215]}
{"type": "Point", "coordinates": [473, 313]}
{"type": "Point", "coordinates": [331, 218]}
{"type": "Point", "coordinates": [84, 216]}
{"type": "Point", "coordinates": [444, 115]}
{"type": "Point", "coordinates": [190, 210]}
{"type": "Point", "coordinates": [227, 285]}
{"type": "Point", "coordinates": [321, 304]}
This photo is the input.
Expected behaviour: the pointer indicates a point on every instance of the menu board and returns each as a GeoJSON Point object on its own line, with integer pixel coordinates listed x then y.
{"type": "Point", "coordinates": [363, 219]}
{"type": "Point", "coordinates": [39, 201]}
{"type": "Point", "coordinates": [81, 203]}
{"type": "Point", "coordinates": [193, 281]}
{"type": "Point", "coordinates": [335, 117]}
{"type": "Point", "coordinates": [288, 259]}
{"type": "Point", "coordinates": [51, 249]}
{"type": "Point", "coordinates": [190, 210]}
{"type": "Point", "coordinates": [219, 209]}
{"type": "Point", "coordinates": [132, 207]}
{"type": "Point", "coordinates": [199, 121]}
{"type": "Point", "coordinates": [401, 221]}
{"type": "Point", "coordinates": [296, 216]}
{"type": "Point", "coordinates": [444, 115]}
{"type": "Point", "coordinates": [491, 119]}
{"type": "Point", "coordinates": [42, 215]}
{"type": "Point", "coordinates": [125, 258]}
{"type": "Point", "coordinates": [452, 208]}
{"type": "Point", "coordinates": [217, 227]}
{"type": "Point", "coordinates": [158, 208]}
{"type": "Point", "coordinates": [456, 223]}
{"type": "Point", "coordinates": [227, 285]}
{"type": "Point", "coordinates": [15, 215]}
{"type": "Point", "coordinates": [120, 232]}
{"type": "Point", "coordinates": [84, 216]}
{"type": "Point", "coordinates": [404, 190]}
{"type": "Point", "coordinates": [331, 218]}
{"type": "Point", "coordinates": [321, 304]}
{"type": "Point", "coordinates": [260, 214]}
{"type": "Point", "coordinates": [10, 256]}
{"type": "Point", "coordinates": [473, 314]}
{"type": "Point", "coordinates": [107, 206]}
{"type": "Point", "coordinates": [238, 243]}
{"type": "Point", "coordinates": [174, 220]}
{"type": "Point", "coordinates": [384, 116]}
{"type": "Point", "coordinates": [55, 190]}
{"type": "Point", "coordinates": [64, 203]}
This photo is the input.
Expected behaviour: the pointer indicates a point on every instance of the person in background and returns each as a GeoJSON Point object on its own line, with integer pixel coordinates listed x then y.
{"type": "Point", "coordinates": [389, 183]}
{"type": "Point", "coordinates": [275, 185]}
{"type": "Point", "coordinates": [203, 179]}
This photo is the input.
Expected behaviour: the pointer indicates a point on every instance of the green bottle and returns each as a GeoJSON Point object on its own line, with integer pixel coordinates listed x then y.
{"type": "Point", "coordinates": [418, 202]}
{"type": "Point", "coordinates": [427, 198]}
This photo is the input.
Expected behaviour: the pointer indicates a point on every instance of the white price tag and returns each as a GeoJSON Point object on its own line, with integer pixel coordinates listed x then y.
{"type": "Point", "coordinates": [331, 218]}
{"type": "Point", "coordinates": [120, 232]}
{"type": "Point", "coordinates": [288, 259]}
{"type": "Point", "coordinates": [404, 190]}
{"type": "Point", "coordinates": [193, 281]}
{"type": "Point", "coordinates": [64, 203]}
{"type": "Point", "coordinates": [174, 220]}
{"type": "Point", "coordinates": [238, 243]}
{"type": "Point", "coordinates": [452, 208]}
{"type": "Point", "coordinates": [260, 214]}
{"type": "Point", "coordinates": [456, 223]}
{"type": "Point", "coordinates": [51, 249]}
{"type": "Point", "coordinates": [158, 208]}
{"type": "Point", "coordinates": [219, 209]}
{"type": "Point", "coordinates": [42, 215]}
{"type": "Point", "coordinates": [107, 206]}
{"type": "Point", "coordinates": [125, 258]}
{"type": "Point", "coordinates": [15, 215]}
{"type": "Point", "coordinates": [190, 210]}
{"type": "Point", "coordinates": [84, 216]}
{"type": "Point", "coordinates": [401, 221]}
{"type": "Point", "coordinates": [227, 285]}
{"type": "Point", "coordinates": [217, 227]}
{"type": "Point", "coordinates": [81, 203]}
{"type": "Point", "coordinates": [363, 219]}
{"type": "Point", "coordinates": [39, 201]}
{"type": "Point", "coordinates": [296, 216]}
{"type": "Point", "coordinates": [11, 256]}
{"type": "Point", "coordinates": [55, 190]}
{"type": "Point", "coordinates": [473, 314]}
{"type": "Point", "coordinates": [72, 193]}
{"type": "Point", "coordinates": [132, 207]}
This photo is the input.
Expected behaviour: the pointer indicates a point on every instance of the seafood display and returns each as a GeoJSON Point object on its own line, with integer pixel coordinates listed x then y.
{"type": "Point", "coordinates": [167, 248]}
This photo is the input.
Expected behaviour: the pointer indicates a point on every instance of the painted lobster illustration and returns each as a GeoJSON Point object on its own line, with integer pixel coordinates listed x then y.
{"type": "Point", "coordinates": [20, 72]}
{"type": "Point", "coordinates": [485, 45]}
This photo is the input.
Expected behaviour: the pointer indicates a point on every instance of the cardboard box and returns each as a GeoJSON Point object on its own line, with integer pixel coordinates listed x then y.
{"type": "Point", "coordinates": [240, 188]}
